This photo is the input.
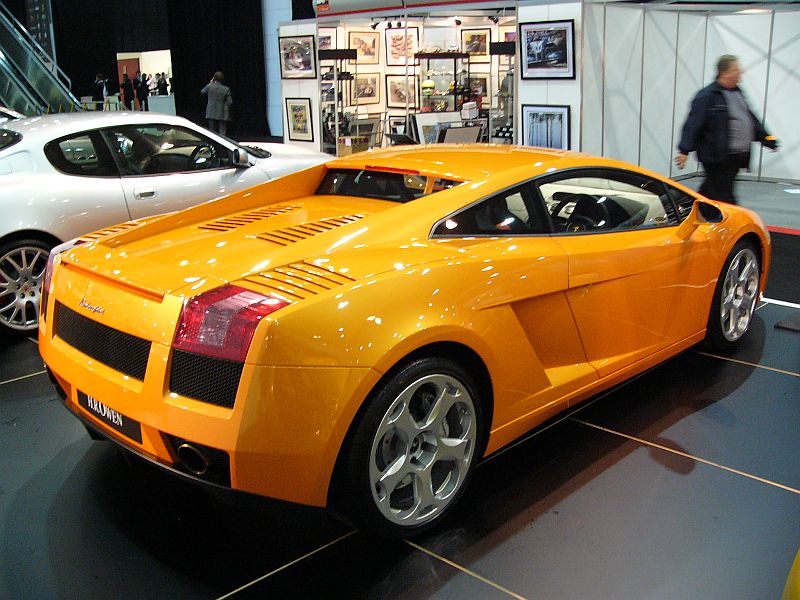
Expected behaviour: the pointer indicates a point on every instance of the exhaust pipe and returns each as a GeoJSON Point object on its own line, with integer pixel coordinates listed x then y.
{"type": "Point", "coordinates": [193, 459]}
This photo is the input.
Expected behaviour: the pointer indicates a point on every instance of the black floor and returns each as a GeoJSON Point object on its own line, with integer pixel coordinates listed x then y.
{"type": "Point", "coordinates": [684, 483]}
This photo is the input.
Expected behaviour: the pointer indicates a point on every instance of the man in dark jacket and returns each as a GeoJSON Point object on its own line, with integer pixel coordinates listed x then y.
{"type": "Point", "coordinates": [720, 128]}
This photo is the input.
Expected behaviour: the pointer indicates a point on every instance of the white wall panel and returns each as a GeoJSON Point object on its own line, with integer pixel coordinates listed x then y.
{"type": "Point", "coordinates": [623, 80]}
{"type": "Point", "coordinates": [553, 91]}
{"type": "Point", "coordinates": [690, 77]}
{"type": "Point", "coordinates": [592, 59]}
{"type": "Point", "coordinates": [300, 88]}
{"type": "Point", "coordinates": [274, 12]}
{"type": "Point", "coordinates": [783, 99]}
{"type": "Point", "coordinates": [658, 90]}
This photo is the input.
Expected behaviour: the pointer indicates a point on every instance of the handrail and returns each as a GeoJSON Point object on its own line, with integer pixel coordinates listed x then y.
{"type": "Point", "coordinates": [54, 68]}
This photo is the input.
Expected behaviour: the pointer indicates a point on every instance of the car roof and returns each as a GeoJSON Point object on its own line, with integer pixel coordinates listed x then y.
{"type": "Point", "coordinates": [467, 162]}
{"type": "Point", "coordinates": [56, 125]}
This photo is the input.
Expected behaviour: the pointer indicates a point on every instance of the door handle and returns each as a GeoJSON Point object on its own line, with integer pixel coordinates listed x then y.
{"type": "Point", "coordinates": [144, 193]}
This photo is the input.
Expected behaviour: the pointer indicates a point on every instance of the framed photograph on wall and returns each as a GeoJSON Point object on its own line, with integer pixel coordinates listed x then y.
{"type": "Point", "coordinates": [367, 46]}
{"type": "Point", "coordinates": [401, 45]}
{"type": "Point", "coordinates": [399, 89]}
{"type": "Point", "coordinates": [366, 89]}
{"type": "Point", "coordinates": [481, 83]}
{"type": "Point", "coordinates": [326, 38]}
{"type": "Point", "coordinates": [547, 49]}
{"type": "Point", "coordinates": [545, 126]}
{"type": "Point", "coordinates": [297, 57]}
{"type": "Point", "coordinates": [475, 42]}
{"type": "Point", "coordinates": [298, 117]}
{"type": "Point", "coordinates": [507, 34]}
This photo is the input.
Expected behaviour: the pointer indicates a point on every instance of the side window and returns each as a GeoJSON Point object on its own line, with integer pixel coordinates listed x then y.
{"type": "Point", "coordinates": [504, 214]}
{"type": "Point", "coordinates": [606, 200]}
{"type": "Point", "coordinates": [81, 154]}
{"type": "Point", "coordinates": [162, 149]}
{"type": "Point", "coordinates": [682, 200]}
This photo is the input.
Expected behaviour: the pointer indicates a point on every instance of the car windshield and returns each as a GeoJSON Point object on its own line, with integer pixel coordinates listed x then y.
{"type": "Point", "coordinates": [382, 185]}
{"type": "Point", "coordinates": [8, 138]}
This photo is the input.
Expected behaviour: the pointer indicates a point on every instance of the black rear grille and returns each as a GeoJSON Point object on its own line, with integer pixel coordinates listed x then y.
{"type": "Point", "coordinates": [219, 466]}
{"type": "Point", "coordinates": [120, 351]}
{"type": "Point", "coordinates": [204, 378]}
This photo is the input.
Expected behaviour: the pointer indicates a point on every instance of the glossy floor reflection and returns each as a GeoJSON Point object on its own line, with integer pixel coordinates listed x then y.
{"type": "Point", "coordinates": [684, 483]}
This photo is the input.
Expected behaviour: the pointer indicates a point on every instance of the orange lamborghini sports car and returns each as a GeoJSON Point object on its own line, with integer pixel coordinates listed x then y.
{"type": "Point", "coordinates": [360, 334]}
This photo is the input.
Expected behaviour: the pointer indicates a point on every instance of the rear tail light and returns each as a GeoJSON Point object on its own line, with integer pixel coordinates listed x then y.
{"type": "Point", "coordinates": [221, 323]}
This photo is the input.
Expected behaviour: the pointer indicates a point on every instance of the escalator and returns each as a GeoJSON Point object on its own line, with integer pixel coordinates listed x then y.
{"type": "Point", "coordinates": [30, 81]}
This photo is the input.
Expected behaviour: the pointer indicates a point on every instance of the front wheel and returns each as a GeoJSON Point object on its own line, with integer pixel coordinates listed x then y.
{"type": "Point", "coordinates": [22, 265]}
{"type": "Point", "coordinates": [413, 449]}
{"type": "Point", "coordinates": [735, 298]}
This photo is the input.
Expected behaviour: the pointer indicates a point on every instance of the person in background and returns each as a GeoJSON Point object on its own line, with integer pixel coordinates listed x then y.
{"type": "Point", "coordinates": [161, 85]}
{"type": "Point", "coordinates": [721, 128]}
{"type": "Point", "coordinates": [143, 92]}
{"type": "Point", "coordinates": [99, 92]}
{"type": "Point", "coordinates": [218, 109]}
{"type": "Point", "coordinates": [126, 85]}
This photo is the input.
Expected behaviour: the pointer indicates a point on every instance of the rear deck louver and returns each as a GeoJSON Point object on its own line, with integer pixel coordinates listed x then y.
{"type": "Point", "coordinates": [246, 218]}
{"type": "Point", "coordinates": [100, 233]}
{"type": "Point", "coordinates": [297, 233]}
{"type": "Point", "coordinates": [297, 281]}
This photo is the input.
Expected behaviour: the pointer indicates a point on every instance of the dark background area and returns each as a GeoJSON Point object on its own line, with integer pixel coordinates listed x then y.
{"type": "Point", "coordinates": [203, 35]}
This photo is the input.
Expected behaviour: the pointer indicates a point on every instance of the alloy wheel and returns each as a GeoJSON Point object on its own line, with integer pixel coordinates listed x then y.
{"type": "Point", "coordinates": [21, 273]}
{"type": "Point", "coordinates": [739, 295]}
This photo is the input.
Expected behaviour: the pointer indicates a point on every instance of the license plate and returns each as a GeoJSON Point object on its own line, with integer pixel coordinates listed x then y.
{"type": "Point", "coordinates": [125, 425]}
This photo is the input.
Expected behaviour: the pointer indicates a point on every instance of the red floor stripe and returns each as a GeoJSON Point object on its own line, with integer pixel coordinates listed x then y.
{"type": "Point", "coordinates": [789, 230]}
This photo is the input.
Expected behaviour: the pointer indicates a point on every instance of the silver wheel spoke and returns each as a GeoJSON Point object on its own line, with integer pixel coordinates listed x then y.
{"type": "Point", "coordinates": [393, 475]}
{"type": "Point", "coordinates": [739, 295]}
{"type": "Point", "coordinates": [453, 449]}
{"type": "Point", "coordinates": [423, 493]}
{"type": "Point", "coordinates": [440, 408]}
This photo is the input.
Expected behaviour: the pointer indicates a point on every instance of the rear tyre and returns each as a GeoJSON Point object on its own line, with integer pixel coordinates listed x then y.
{"type": "Point", "coordinates": [735, 298]}
{"type": "Point", "coordinates": [413, 450]}
{"type": "Point", "coordinates": [22, 265]}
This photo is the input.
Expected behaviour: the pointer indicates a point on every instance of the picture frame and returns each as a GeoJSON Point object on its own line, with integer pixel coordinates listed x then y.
{"type": "Point", "coordinates": [298, 57]}
{"type": "Point", "coordinates": [547, 50]}
{"type": "Point", "coordinates": [401, 45]}
{"type": "Point", "coordinates": [398, 87]}
{"type": "Point", "coordinates": [475, 42]}
{"type": "Point", "coordinates": [298, 120]}
{"type": "Point", "coordinates": [480, 80]}
{"type": "Point", "coordinates": [326, 38]}
{"type": "Point", "coordinates": [507, 34]}
{"type": "Point", "coordinates": [365, 89]}
{"type": "Point", "coordinates": [367, 45]}
{"type": "Point", "coordinates": [546, 126]}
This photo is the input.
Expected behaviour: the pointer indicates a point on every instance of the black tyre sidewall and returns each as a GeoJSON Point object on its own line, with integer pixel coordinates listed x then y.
{"type": "Point", "coordinates": [715, 339]}
{"type": "Point", "coordinates": [354, 498]}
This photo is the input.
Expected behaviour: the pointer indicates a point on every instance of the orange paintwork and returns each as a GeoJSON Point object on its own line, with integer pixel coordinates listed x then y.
{"type": "Point", "coordinates": [553, 319]}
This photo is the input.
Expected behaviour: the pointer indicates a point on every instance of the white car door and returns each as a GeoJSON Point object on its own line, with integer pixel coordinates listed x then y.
{"type": "Point", "coordinates": [167, 168]}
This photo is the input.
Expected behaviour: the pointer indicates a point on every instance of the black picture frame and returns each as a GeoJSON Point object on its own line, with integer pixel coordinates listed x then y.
{"type": "Point", "coordinates": [298, 120]}
{"type": "Point", "coordinates": [297, 57]}
{"type": "Point", "coordinates": [547, 50]}
{"type": "Point", "coordinates": [546, 126]}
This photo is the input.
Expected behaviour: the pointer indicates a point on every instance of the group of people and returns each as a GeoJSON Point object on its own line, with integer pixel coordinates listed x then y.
{"type": "Point", "coordinates": [134, 92]}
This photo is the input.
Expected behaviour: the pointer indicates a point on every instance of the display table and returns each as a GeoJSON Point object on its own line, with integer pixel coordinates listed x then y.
{"type": "Point", "coordinates": [162, 104]}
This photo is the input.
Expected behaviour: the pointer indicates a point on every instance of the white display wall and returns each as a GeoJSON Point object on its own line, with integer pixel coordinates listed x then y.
{"type": "Point", "coordinates": [642, 67]}
{"type": "Point", "coordinates": [301, 88]}
{"type": "Point", "coordinates": [564, 92]}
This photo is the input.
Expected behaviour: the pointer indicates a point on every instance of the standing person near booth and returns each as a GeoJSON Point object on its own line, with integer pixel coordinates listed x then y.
{"type": "Point", "coordinates": [99, 92]}
{"type": "Point", "coordinates": [143, 92]}
{"type": "Point", "coordinates": [720, 128]}
{"type": "Point", "coordinates": [126, 85]}
{"type": "Point", "coordinates": [218, 109]}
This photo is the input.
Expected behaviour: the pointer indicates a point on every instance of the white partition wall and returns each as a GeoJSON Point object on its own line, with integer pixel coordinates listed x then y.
{"type": "Point", "coordinates": [301, 88]}
{"type": "Point", "coordinates": [564, 92]}
{"type": "Point", "coordinates": [783, 98]}
{"type": "Point", "coordinates": [592, 60]}
{"type": "Point", "coordinates": [658, 85]}
{"type": "Point", "coordinates": [690, 76]}
{"type": "Point", "coordinates": [274, 13]}
{"type": "Point", "coordinates": [622, 101]}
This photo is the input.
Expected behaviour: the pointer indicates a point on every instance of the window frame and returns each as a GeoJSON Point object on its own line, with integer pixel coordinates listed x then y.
{"type": "Point", "coordinates": [104, 153]}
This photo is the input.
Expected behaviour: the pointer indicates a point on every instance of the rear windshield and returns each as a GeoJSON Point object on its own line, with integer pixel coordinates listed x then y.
{"type": "Point", "coordinates": [8, 138]}
{"type": "Point", "coordinates": [395, 187]}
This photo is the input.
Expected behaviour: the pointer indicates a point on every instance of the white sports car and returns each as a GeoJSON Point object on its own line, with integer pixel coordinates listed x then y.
{"type": "Point", "coordinates": [64, 175]}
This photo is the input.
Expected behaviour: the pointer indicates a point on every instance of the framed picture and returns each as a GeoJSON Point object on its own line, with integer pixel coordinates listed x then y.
{"type": "Point", "coordinates": [365, 89]}
{"type": "Point", "coordinates": [480, 82]}
{"type": "Point", "coordinates": [326, 38]}
{"type": "Point", "coordinates": [401, 45]}
{"type": "Point", "coordinates": [298, 117]}
{"type": "Point", "coordinates": [548, 50]}
{"type": "Point", "coordinates": [399, 89]}
{"type": "Point", "coordinates": [507, 34]}
{"type": "Point", "coordinates": [545, 125]}
{"type": "Point", "coordinates": [298, 57]}
{"type": "Point", "coordinates": [367, 46]}
{"type": "Point", "coordinates": [475, 42]}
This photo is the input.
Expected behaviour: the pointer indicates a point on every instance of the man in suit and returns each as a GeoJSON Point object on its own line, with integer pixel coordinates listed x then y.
{"type": "Point", "coordinates": [99, 92]}
{"type": "Point", "coordinates": [219, 103]}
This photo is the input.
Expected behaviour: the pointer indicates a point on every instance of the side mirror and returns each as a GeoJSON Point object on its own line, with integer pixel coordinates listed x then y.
{"type": "Point", "coordinates": [701, 212]}
{"type": "Point", "coordinates": [241, 159]}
